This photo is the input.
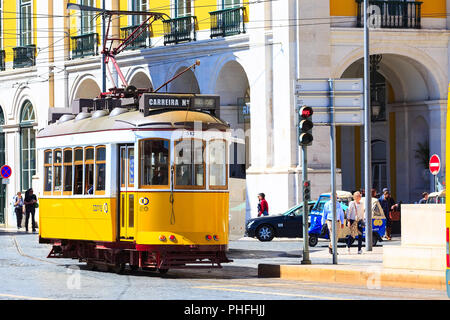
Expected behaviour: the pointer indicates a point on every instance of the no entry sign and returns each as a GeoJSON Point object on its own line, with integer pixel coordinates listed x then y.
{"type": "Point", "coordinates": [5, 171]}
{"type": "Point", "coordinates": [435, 164]}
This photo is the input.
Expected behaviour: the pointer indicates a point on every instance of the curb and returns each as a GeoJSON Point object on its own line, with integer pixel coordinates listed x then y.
{"type": "Point", "coordinates": [373, 277]}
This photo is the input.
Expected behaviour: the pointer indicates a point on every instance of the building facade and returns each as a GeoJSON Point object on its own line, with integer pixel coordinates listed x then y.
{"type": "Point", "coordinates": [251, 53]}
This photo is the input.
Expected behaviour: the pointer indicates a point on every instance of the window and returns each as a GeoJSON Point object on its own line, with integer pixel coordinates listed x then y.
{"type": "Point", "coordinates": [28, 145]}
{"type": "Point", "coordinates": [189, 163]}
{"type": "Point", "coordinates": [57, 169]}
{"type": "Point", "coordinates": [154, 162]}
{"type": "Point", "coordinates": [87, 24]}
{"type": "Point", "coordinates": [218, 164]}
{"type": "Point", "coordinates": [89, 170]}
{"type": "Point", "coordinates": [139, 5]}
{"type": "Point", "coordinates": [48, 171]}
{"type": "Point", "coordinates": [25, 23]}
{"type": "Point", "coordinates": [67, 188]}
{"type": "Point", "coordinates": [183, 8]}
{"type": "Point", "coordinates": [100, 170]}
{"type": "Point", "coordinates": [78, 165]}
{"type": "Point", "coordinates": [230, 4]}
{"type": "Point", "coordinates": [131, 167]}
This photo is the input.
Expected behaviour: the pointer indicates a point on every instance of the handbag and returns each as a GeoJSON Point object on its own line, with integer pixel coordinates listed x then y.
{"type": "Point", "coordinates": [394, 215]}
{"type": "Point", "coordinates": [324, 230]}
{"type": "Point", "coordinates": [361, 225]}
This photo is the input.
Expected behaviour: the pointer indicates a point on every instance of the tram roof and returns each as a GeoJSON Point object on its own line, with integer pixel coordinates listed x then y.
{"type": "Point", "coordinates": [160, 119]}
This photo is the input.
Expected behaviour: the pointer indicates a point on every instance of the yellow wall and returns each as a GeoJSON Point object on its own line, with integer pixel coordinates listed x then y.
{"type": "Point", "coordinates": [430, 8]}
{"type": "Point", "coordinates": [10, 27]}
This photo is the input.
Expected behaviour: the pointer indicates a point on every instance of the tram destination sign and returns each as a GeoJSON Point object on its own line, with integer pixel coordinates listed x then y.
{"type": "Point", "coordinates": [152, 101]}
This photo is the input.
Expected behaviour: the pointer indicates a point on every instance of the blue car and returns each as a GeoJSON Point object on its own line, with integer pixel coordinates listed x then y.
{"type": "Point", "coordinates": [314, 232]}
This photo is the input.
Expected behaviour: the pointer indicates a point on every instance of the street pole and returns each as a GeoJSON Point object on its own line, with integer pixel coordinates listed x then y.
{"type": "Point", "coordinates": [367, 134]}
{"type": "Point", "coordinates": [333, 172]}
{"type": "Point", "coordinates": [305, 259]}
{"type": "Point", "coordinates": [103, 55]}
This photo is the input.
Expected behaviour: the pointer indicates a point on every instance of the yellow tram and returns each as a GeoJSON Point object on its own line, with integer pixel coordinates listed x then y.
{"type": "Point", "coordinates": [147, 187]}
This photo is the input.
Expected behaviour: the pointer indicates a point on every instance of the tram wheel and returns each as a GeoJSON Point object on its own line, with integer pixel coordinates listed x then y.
{"type": "Point", "coordinates": [163, 271]}
{"type": "Point", "coordinates": [91, 266]}
{"type": "Point", "coordinates": [119, 268]}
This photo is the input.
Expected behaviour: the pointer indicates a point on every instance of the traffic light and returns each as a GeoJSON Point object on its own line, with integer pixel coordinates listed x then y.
{"type": "Point", "coordinates": [305, 126]}
{"type": "Point", "coordinates": [307, 190]}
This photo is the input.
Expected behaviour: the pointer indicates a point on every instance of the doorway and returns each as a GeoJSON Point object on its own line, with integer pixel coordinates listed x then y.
{"type": "Point", "coordinates": [127, 196]}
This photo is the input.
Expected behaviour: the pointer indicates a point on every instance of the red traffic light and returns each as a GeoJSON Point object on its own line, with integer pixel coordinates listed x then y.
{"type": "Point", "coordinates": [306, 184]}
{"type": "Point", "coordinates": [306, 112]}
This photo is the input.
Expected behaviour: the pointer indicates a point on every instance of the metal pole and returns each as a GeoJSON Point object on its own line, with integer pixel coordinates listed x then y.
{"type": "Point", "coordinates": [367, 134]}
{"type": "Point", "coordinates": [103, 55]}
{"type": "Point", "coordinates": [333, 173]}
{"type": "Point", "coordinates": [305, 259]}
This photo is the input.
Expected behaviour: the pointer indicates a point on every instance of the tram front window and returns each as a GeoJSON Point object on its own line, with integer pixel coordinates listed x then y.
{"type": "Point", "coordinates": [154, 162]}
{"type": "Point", "coordinates": [48, 171]}
{"type": "Point", "coordinates": [189, 164]}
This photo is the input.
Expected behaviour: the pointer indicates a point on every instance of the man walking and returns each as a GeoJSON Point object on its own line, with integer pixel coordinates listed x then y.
{"type": "Point", "coordinates": [387, 202]}
{"type": "Point", "coordinates": [30, 201]}
{"type": "Point", "coordinates": [18, 209]}
{"type": "Point", "coordinates": [328, 219]}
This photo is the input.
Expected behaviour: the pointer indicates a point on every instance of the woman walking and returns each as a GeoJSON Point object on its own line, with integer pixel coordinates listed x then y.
{"type": "Point", "coordinates": [355, 215]}
{"type": "Point", "coordinates": [18, 209]}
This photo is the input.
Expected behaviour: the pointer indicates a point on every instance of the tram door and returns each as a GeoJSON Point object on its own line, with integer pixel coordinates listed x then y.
{"type": "Point", "coordinates": [127, 210]}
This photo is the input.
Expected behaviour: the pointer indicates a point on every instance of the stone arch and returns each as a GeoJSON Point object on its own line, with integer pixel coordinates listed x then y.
{"type": "Point", "coordinates": [140, 79]}
{"type": "Point", "coordinates": [22, 95]}
{"type": "Point", "coordinates": [186, 83]}
{"type": "Point", "coordinates": [420, 62]}
{"type": "Point", "coordinates": [85, 87]}
{"type": "Point", "coordinates": [231, 83]}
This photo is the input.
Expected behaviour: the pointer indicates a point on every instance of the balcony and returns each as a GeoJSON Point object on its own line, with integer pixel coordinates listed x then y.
{"type": "Point", "coordinates": [24, 56]}
{"type": "Point", "coordinates": [140, 41]}
{"type": "Point", "coordinates": [392, 14]}
{"type": "Point", "coordinates": [2, 60]}
{"type": "Point", "coordinates": [180, 29]}
{"type": "Point", "coordinates": [84, 45]}
{"type": "Point", "coordinates": [227, 22]}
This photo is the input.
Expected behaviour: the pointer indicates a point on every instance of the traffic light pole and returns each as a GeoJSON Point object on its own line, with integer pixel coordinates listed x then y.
{"type": "Point", "coordinates": [305, 259]}
{"type": "Point", "coordinates": [333, 175]}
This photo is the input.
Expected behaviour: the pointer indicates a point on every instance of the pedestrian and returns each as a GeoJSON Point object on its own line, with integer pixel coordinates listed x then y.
{"type": "Point", "coordinates": [18, 209]}
{"type": "Point", "coordinates": [387, 203]}
{"type": "Point", "coordinates": [424, 198]}
{"type": "Point", "coordinates": [30, 208]}
{"type": "Point", "coordinates": [263, 206]}
{"type": "Point", "coordinates": [355, 214]}
{"type": "Point", "coordinates": [328, 219]}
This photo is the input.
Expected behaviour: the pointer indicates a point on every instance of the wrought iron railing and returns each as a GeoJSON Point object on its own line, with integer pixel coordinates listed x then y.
{"type": "Point", "coordinates": [84, 45]}
{"type": "Point", "coordinates": [391, 14]}
{"type": "Point", "coordinates": [2, 60]}
{"type": "Point", "coordinates": [180, 29]}
{"type": "Point", "coordinates": [24, 56]}
{"type": "Point", "coordinates": [227, 22]}
{"type": "Point", "coordinates": [140, 41]}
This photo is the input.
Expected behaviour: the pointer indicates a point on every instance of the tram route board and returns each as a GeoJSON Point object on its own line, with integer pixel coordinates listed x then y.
{"type": "Point", "coordinates": [151, 101]}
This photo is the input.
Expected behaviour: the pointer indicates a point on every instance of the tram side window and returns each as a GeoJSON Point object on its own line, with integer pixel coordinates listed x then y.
{"type": "Point", "coordinates": [100, 169]}
{"type": "Point", "coordinates": [48, 162]}
{"type": "Point", "coordinates": [67, 184]}
{"type": "Point", "coordinates": [57, 168]}
{"type": "Point", "coordinates": [154, 162]}
{"type": "Point", "coordinates": [89, 170]}
{"type": "Point", "coordinates": [78, 177]}
{"type": "Point", "coordinates": [217, 164]}
{"type": "Point", "coordinates": [189, 164]}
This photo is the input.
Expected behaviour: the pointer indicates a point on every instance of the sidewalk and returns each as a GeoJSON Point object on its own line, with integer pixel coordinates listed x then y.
{"type": "Point", "coordinates": [363, 270]}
